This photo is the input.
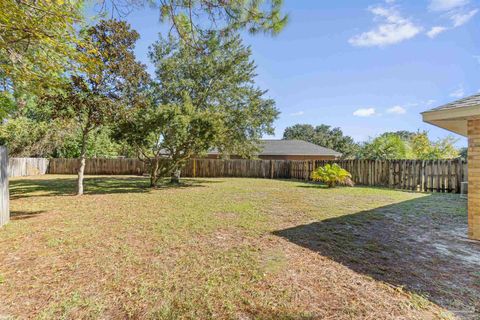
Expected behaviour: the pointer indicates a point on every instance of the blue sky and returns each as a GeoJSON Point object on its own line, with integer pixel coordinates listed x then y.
{"type": "Point", "coordinates": [364, 66]}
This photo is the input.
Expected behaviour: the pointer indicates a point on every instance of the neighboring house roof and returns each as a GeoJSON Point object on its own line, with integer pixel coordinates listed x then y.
{"type": "Point", "coordinates": [453, 116]}
{"type": "Point", "coordinates": [292, 147]}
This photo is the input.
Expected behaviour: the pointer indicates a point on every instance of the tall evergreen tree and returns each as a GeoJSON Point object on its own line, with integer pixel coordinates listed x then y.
{"type": "Point", "coordinates": [188, 17]}
{"type": "Point", "coordinates": [202, 99]}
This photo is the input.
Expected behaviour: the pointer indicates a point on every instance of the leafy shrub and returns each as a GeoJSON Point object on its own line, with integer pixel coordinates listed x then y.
{"type": "Point", "coordinates": [332, 175]}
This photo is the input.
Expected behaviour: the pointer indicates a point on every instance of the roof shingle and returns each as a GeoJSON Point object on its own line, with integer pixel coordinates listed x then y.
{"type": "Point", "coordinates": [465, 102]}
{"type": "Point", "coordinates": [295, 147]}
{"type": "Point", "coordinates": [292, 147]}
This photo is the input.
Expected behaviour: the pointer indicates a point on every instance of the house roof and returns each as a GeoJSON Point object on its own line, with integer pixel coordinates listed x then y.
{"type": "Point", "coordinates": [292, 147]}
{"type": "Point", "coordinates": [462, 103]}
{"type": "Point", "coordinates": [453, 116]}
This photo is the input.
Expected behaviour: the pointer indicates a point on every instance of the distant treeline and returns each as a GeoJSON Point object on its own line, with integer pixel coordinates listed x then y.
{"type": "Point", "coordinates": [387, 146]}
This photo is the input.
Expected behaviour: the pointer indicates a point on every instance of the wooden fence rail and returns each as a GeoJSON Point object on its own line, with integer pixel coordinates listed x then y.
{"type": "Point", "coordinates": [414, 175]}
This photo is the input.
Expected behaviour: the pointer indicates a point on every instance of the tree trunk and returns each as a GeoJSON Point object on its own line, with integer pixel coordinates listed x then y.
{"type": "Point", "coordinates": [154, 173]}
{"type": "Point", "coordinates": [175, 178]}
{"type": "Point", "coordinates": [81, 169]}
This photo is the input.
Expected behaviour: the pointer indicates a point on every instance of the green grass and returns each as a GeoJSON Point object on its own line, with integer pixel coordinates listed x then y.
{"type": "Point", "coordinates": [207, 249]}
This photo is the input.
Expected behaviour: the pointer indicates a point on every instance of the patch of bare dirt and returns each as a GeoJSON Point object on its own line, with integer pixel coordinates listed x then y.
{"type": "Point", "coordinates": [418, 244]}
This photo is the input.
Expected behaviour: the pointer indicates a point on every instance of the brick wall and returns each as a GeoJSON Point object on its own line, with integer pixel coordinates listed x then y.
{"type": "Point", "coordinates": [474, 179]}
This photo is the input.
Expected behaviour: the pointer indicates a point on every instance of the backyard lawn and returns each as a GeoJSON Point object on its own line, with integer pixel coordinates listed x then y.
{"type": "Point", "coordinates": [234, 249]}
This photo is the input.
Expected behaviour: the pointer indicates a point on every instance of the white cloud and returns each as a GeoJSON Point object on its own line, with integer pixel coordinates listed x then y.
{"type": "Point", "coordinates": [446, 5]}
{"type": "Point", "coordinates": [459, 19]}
{"type": "Point", "coordinates": [397, 110]}
{"type": "Point", "coordinates": [393, 29]}
{"type": "Point", "coordinates": [296, 114]}
{"type": "Point", "coordinates": [455, 10]}
{"type": "Point", "coordinates": [459, 93]}
{"type": "Point", "coordinates": [435, 31]}
{"type": "Point", "coordinates": [364, 112]}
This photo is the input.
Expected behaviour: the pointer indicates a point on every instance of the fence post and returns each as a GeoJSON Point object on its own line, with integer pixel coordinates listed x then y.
{"type": "Point", "coordinates": [311, 165]}
{"type": "Point", "coordinates": [305, 168]}
{"type": "Point", "coordinates": [194, 168]}
{"type": "Point", "coordinates": [272, 169]}
{"type": "Point", "coordinates": [4, 196]}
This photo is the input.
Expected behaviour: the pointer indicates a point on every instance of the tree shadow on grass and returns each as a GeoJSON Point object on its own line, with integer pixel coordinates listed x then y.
{"type": "Point", "coordinates": [51, 186]}
{"type": "Point", "coordinates": [314, 185]}
{"type": "Point", "coordinates": [23, 215]}
{"type": "Point", "coordinates": [418, 244]}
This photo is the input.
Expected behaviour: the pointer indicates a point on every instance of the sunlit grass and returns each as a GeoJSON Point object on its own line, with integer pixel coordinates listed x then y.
{"type": "Point", "coordinates": [206, 249]}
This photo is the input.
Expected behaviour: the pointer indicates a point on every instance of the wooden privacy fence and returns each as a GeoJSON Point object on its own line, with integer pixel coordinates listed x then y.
{"type": "Point", "coordinates": [20, 167]}
{"type": "Point", "coordinates": [415, 175]}
{"type": "Point", "coordinates": [98, 166]}
{"type": "Point", "coordinates": [4, 195]}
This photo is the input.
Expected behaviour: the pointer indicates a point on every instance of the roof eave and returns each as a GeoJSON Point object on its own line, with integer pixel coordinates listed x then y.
{"type": "Point", "coordinates": [455, 126]}
{"type": "Point", "coordinates": [453, 120]}
{"type": "Point", "coordinates": [451, 113]}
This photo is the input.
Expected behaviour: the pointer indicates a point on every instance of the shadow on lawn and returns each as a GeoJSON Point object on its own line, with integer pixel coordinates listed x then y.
{"type": "Point", "coordinates": [418, 244]}
{"type": "Point", "coordinates": [319, 185]}
{"type": "Point", "coordinates": [22, 215]}
{"type": "Point", "coordinates": [24, 188]}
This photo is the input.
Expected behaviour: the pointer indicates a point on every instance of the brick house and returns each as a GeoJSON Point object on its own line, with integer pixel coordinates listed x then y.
{"type": "Point", "coordinates": [463, 117]}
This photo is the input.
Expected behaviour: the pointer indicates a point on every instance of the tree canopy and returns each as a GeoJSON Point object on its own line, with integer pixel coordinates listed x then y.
{"type": "Point", "coordinates": [385, 147]}
{"type": "Point", "coordinates": [187, 17]}
{"type": "Point", "coordinates": [325, 136]}
{"type": "Point", "coordinates": [201, 99]}
{"type": "Point", "coordinates": [37, 43]}
{"type": "Point", "coordinates": [105, 90]}
{"type": "Point", "coordinates": [64, 85]}
{"type": "Point", "coordinates": [408, 145]}
{"type": "Point", "coordinates": [39, 39]}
